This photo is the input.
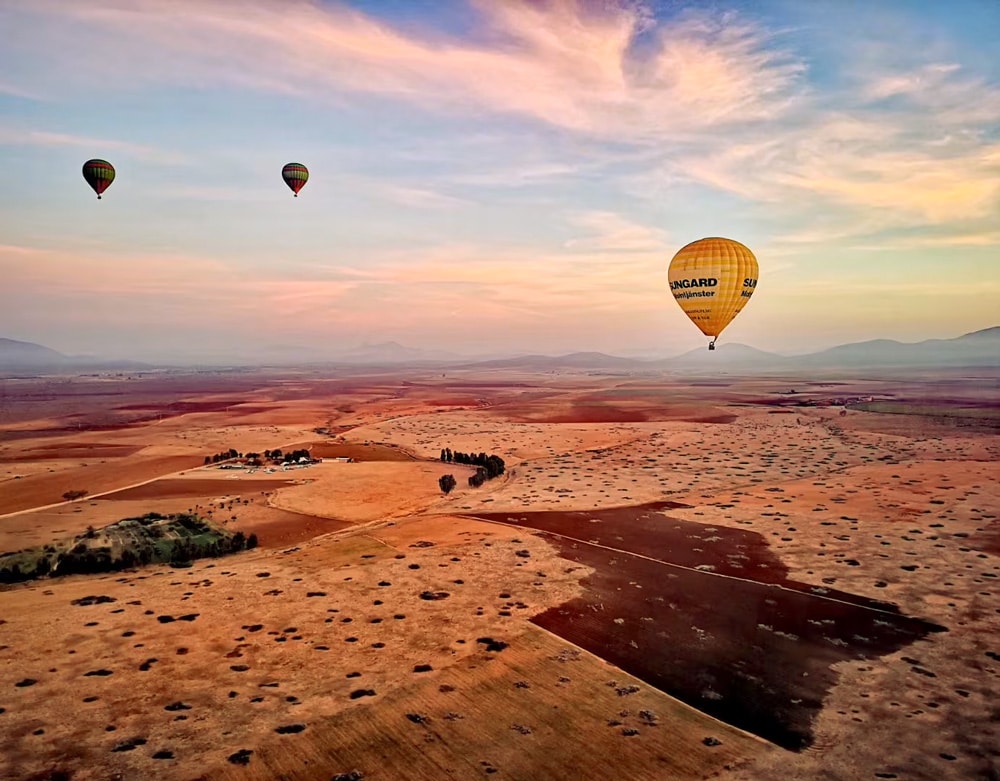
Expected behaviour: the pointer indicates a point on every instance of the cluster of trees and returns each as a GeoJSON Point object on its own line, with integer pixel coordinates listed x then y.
{"type": "Point", "coordinates": [152, 538]}
{"type": "Point", "coordinates": [255, 459]}
{"type": "Point", "coordinates": [276, 456]}
{"type": "Point", "coordinates": [187, 549]}
{"type": "Point", "coordinates": [490, 466]}
{"type": "Point", "coordinates": [224, 456]}
{"type": "Point", "coordinates": [291, 457]}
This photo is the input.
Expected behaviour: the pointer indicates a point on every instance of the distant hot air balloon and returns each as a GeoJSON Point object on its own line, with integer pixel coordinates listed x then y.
{"type": "Point", "coordinates": [295, 175]}
{"type": "Point", "coordinates": [712, 280]}
{"type": "Point", "coordinates": [99, 175]}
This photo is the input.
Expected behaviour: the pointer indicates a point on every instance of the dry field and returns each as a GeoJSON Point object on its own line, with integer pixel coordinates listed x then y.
{"type": "Point", "coordinates": [675, 579]}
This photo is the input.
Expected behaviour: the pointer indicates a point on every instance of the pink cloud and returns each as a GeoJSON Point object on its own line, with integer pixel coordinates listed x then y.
{"type": "Point", "coordinates": [419, 291]}
{"type": "Point", "coordinates": [565, 62]}
{"type": "Point", "coordinates": [111, 287]}
{"type": "Point", "coordinates": [16, 136]}
{"type": "Point", "coordinates": [865, 164]}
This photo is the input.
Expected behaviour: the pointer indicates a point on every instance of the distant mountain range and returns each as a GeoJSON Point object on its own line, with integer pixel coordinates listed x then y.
{"type": "Point", "coordinates": [976, 349]}
{"type": "Point", "coordinates": [979, 348]}
{"type": "Point", "coordinates": [394, 352]}
{"type": "Point", "coordinates": [572, 361]}
{"type": "Point", "coordinates": [725, 357]}
{"type": "Point", "coordinates": [18, 356]}
{"type": "Point", "coordinates": [14, 353]}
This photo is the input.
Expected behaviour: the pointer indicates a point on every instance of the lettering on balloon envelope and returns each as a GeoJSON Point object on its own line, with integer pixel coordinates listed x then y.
{"type": "Point", "coordinates": [712, 280]}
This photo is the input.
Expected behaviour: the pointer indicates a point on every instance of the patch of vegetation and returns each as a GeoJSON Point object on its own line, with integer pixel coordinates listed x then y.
{"type": "Point", "coordinates": [149, 539]}
{"type": "Point", "coordinates": [931, 410]}
{"type": "Point", "coordinates": [225, 456]}
{"type": "Point", "coordinates": [447, 483]}
{"type": "Point", "coordinates": [275, 456]}
{"type": "Point", "coordinates": [490, 466]}
{"type": "Point", "coordinates": [292, 457]}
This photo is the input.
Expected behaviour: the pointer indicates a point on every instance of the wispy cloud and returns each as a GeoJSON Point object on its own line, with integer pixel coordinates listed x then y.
{"type": "Point", "coordinates": [569, 63]}
{"type": "Point", "coordinates": [413, 197]}
{"type": "Point", "coordinates": [25, 137]}
{"type": "Point", "coordinates": [987, 238]}
{"type": "Point", "coordinates": [727, 97]}
{"type": "Point", "coordinates": [888, 167]}
{"type": "Point", "coordinates": [611, 232]}
{"type": "Point", "coordinates": [113, 281]}
{"type": "Point", "coordinates": [913, 84]}
{"type": "Point", "coordinates": [420, 290]}
{"type": "Point", "coordinates": [11, 90]}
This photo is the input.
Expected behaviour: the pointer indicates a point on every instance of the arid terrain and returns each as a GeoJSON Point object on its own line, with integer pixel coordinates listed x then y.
{"type": "Point", "coordinates": [675, 578]}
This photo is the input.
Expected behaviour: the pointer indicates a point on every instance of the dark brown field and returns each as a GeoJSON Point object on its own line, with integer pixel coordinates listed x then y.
{"type": "Point", "coordinates": [708, 615]}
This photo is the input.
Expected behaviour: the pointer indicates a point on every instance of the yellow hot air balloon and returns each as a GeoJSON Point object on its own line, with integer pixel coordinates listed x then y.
{"type": "Point", "coordinates": [712, 280]}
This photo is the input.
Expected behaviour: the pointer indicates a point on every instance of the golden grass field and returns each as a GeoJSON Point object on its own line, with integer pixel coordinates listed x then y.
{"type": "Point", "coordinates": [387, 631]}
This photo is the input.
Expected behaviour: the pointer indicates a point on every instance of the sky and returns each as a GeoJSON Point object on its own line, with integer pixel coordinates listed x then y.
{"type": "Point", "coordinates": [493, 176]}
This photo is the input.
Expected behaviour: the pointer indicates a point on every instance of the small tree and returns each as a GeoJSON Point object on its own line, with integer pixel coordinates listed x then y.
{"type": "Point", "coordinates": [128, 559]}
{"type": "Point", "coordinates": [43, 567]}
{"type": "Point", "coordinates": [494, 466]}
{"type": "Point", "coordinates": [251, 542]}
{"type": "Point", "coordinates": [183, 551]}
{"type": "Point", "coordinates": [444, 454]}
{"type": "Point", "coordinates": [447, 483]}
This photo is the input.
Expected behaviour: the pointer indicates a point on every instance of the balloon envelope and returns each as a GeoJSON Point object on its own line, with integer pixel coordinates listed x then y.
{"type": "Point", "coordinates": [99, 175]}
{"type": "Point", "coordinates": [712, 280]}
{"type": "Point", "coordinates": [295, 175]}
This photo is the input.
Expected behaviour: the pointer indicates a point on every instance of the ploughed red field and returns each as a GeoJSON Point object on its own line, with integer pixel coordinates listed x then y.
{"type": "Point", "coordinates": [610, 407]}
{"type": "Point", "coordinates": [179, 487]}
{"type": "Point", "coordinates": [357, 452]}
{"type": "Point", "coordinates": [707, 614]}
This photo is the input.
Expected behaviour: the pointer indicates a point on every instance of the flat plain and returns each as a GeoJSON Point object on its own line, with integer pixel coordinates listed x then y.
{"type": "Point", "coordinates": [675, 578]}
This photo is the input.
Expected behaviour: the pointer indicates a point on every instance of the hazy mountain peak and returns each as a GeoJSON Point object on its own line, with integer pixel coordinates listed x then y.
{"type": "Point", "coordinates": [390, 345]}
{"type": "Point", "coordinates": [985, 333]}
{"type": "Point", "coordinates": [726, 356]}
{"type": "Point", "coordinates": [15, 353]}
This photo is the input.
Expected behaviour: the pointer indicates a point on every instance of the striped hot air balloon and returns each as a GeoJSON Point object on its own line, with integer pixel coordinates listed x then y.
{"type": "Point", "coordinates": [99, 175]}
{"type": "Point", "coordinates": [295, 175]}
{"type": "Point", "coordinates": [712, 280]}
